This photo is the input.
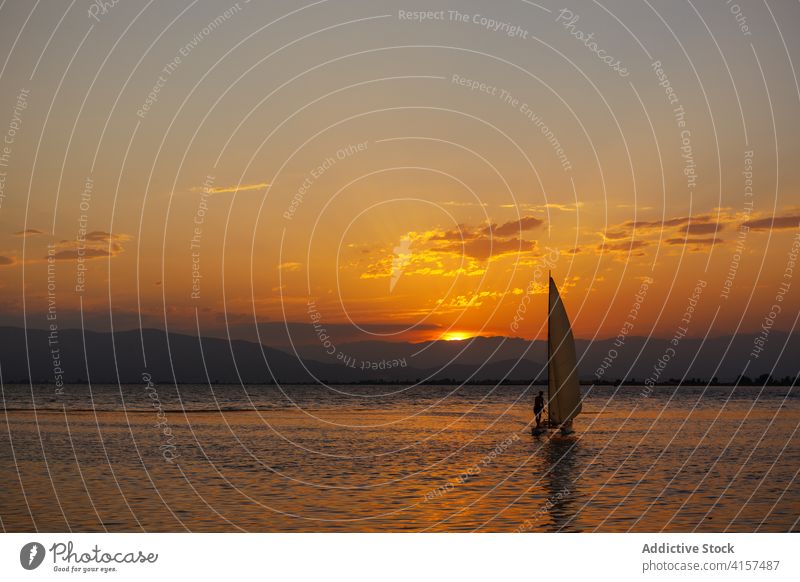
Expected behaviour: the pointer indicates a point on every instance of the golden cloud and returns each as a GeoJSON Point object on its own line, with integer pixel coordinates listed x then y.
{"type": "Point", "coordinates": [101, 236]}
{"type": "Point", "coordinates": [448, 253]}
{"type": "Point", "coordinates": [229, 189]}
{"type": "Point", "coordinates": [290, 266]}
{"type": "Point", "coordinates": [473, 299]}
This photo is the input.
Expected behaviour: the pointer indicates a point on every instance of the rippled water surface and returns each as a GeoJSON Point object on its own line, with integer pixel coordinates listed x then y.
{"type": "Point", "coordinates": [391, 458]}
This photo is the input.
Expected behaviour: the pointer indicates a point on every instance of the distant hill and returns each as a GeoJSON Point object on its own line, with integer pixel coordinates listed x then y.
{"type": "Point", "coordinates": [125, 356]}
{"type": "Point", "coordinates": [109, 357]}
{"type": "Point", "coordinates": [721, 357]}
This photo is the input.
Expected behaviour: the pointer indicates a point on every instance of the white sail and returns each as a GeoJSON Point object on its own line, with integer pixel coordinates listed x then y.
{"type": "Point", "coordinates": [563, 388]}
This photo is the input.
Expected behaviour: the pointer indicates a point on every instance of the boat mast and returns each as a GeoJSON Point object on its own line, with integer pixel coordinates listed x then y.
{"type": "Point", "coordinates": [549, 355]}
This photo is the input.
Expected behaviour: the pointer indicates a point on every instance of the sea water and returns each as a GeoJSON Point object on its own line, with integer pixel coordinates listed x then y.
{"type": "Point", "coordinates": [156, 457]}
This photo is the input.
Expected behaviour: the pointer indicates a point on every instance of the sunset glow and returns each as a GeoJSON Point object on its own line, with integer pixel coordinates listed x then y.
{"type": "Point", "coordinates": [451, 336]}
{"type": "Point", "coordinates": [400, 206]}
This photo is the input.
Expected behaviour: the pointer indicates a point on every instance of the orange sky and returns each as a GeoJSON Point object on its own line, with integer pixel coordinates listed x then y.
{"type": "Point", "coordinates": [413, 180]}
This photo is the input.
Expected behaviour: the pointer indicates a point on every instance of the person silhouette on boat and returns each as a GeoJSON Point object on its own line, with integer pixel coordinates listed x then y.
{"type": "Point", "coordinates": [538, 407]}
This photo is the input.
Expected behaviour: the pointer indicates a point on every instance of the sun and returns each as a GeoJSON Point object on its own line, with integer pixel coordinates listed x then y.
{"type": "Point", "coordinates": [454, 336]}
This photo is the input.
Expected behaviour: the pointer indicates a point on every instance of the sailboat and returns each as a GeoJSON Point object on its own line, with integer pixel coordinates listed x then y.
{"type": "Point", "coordinates": [563, 388]}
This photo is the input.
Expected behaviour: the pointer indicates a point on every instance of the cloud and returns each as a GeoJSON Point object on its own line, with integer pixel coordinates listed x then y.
{"type": "Point", "coordinates": [476, 299]}
{"type": "Point", "coordinates": [28, 232]}
{"type": "Point", "coordinates": [228, 189]}
{"type": "Point", "coordinates": [423, 261]}
{"type": "Point", "coordinates": [700, 224]}
{"type": "Point", "coordinates": [708, 241]}
{"type": "Point", "coordinates": [462, 232]}
{"type": "Point", "coordinates": [72, 254]}
{"type": "Point", "coordinates": [517, 226]}
{"type": "Point", "coordinates": [484, 248]}
{"type": "Point", "coordinates": [702, 228]}
{"type": "Point", "coordinates": [623, 246]}
{"type": "Point", "coordinates": [711, 224]}
{"type": "Point", "coordinates": [680, 230]}
{"type": "Point", "coordinates": [101, 236]}
{"type": "Point", "coordinates": [564, 207]}
{"type": "Point", "coordinates": [464, 250]}
{"type": "Point", "coordinates": [572, 207]}
{"type": "Point", "coordinates": [488, 242]}
{"type": "Point", "coordinates": [660, 224]}
{"type": "Point", "coordinates": [637, 206]}
{"type": "Point", "coordinates": [7, 261]}
{"type": "Point", "coordinates": [774, 222]}
{"type": "Point", "coordinates": [290, 266]}
{"type": "Point", "coordinates": [97, 244]}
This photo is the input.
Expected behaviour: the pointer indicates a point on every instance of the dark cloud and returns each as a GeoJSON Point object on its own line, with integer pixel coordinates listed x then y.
{"type": "Point", "coordinates": [623, 246]}
{"type": "Point", "coordinates": [694, 241]}
{"type": "Point", "coordinates": [507, 229]}
{"type": "Point", "coordinates": [485, 247]}
{"type": "Point", "coordinates": [28, 232]}
{"type": "Point", "coordinates": [702, 228]}
{"type": "Point", "coordinates": [516, 226]}
{"type": "Point", "coordinates": [776, 222]}
{"type": "Point", "coordinates": [688, 230]}
{"type": "Point", "coordinates": [97, 244]}
{"type": "Point", "coordinates": [483, 243]}
{"type": "Point", "coordinates": [658, 224]}
{"type": "Point", "coordinates": [463, 232]}
{"type": "Point", "coordinates": [7, 261]}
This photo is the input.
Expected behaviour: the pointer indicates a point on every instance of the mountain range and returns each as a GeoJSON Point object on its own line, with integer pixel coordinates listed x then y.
{"type": "Point", "coordinates": [73, 356]}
